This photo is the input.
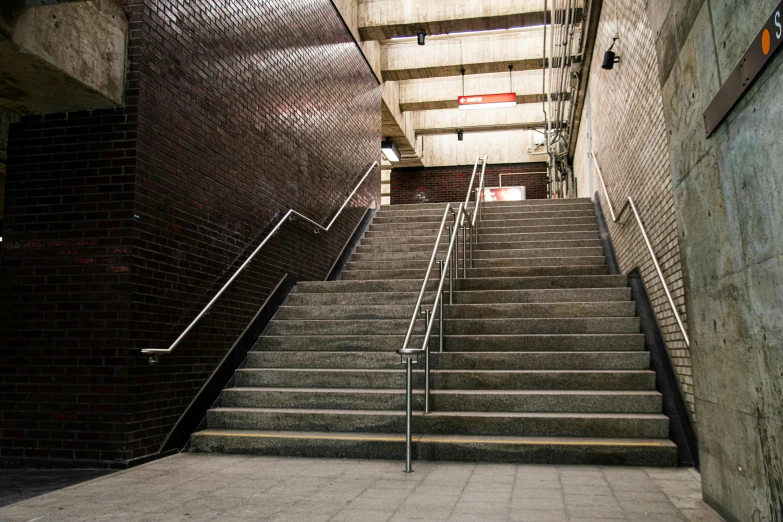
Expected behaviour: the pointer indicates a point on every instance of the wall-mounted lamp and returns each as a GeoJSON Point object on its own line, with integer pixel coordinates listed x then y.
{"type": "Point", "coordinates": [390, 150]}
{"type": "Point", "coordinates": [420, 36]}
{"type": "Point", "coordinates": [459, 135]}
{"type": "Point", "coordinates": [610, 58]}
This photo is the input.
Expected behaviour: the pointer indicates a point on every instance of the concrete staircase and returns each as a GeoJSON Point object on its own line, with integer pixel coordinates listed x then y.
{"type": "Point", "coordinates": [543, 362]}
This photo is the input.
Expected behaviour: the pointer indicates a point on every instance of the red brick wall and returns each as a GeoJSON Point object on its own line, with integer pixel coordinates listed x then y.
{"type": "Point", "coordinates": [445, 184]}
{"type": "Point", "coordinates": [122, 224]}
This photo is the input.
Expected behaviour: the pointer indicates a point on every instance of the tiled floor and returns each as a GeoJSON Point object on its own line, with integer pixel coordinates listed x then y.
{"type": "Point", "coordinates": [17, 485]}
{"type": "Point", "coordinates": [191, 487]}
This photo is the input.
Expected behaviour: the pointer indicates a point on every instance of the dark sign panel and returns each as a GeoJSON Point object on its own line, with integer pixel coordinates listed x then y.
{"type": "Point", "coordinates": [749, 66]}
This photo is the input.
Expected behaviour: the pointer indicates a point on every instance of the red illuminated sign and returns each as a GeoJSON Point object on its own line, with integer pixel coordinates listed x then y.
{"type": "Point", "coordinates": [487, 101]}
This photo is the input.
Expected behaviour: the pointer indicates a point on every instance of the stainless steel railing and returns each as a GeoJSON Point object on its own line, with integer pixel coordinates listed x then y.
{"type": "Point", "coordinates": [463, 222]}
{"type": "Point", "coordinates": [616, 219]}
{"type": "Point", "coordinates": [288, 215]}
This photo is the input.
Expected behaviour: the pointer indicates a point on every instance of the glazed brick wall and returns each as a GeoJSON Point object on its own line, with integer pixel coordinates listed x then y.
{"type": "Point", "coordinates": [447, 184]}
{"type": "Point", "coordinates": [234, 113]}
{"type": "Point", "coordinates": [632, 146]}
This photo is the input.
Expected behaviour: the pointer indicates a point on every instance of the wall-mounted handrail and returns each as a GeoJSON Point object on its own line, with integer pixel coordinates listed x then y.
{"type": "Point", "coordinates": [616, 219]}
{"type": "Point", "coordinates": [288, 215]}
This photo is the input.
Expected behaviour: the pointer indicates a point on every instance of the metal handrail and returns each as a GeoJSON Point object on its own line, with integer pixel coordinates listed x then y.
{"type": "Point", "coordinates": [290, 214]}
{"type": "Point", "coordinates": [616, 219]}
{"type": "Point", "coordinates": [452, 254]}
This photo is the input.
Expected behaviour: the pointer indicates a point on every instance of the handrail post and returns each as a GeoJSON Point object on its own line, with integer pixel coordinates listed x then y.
{"type": "Point", "coordinates": [440, 312]}
{"type": "Point", "coordinates": [472, 229]}
{"type": "Point", "coordinates": [464, 251]}
{"type": "Point", "coordinates": [408, 414]}
{"type": "Point", "coordinates": [427, 362]}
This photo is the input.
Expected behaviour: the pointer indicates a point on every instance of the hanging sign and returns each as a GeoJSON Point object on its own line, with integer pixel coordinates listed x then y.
{"type": "Point", "coordinates": [487, 101]}
{"type": "Point", "coordinates": [749, 66]}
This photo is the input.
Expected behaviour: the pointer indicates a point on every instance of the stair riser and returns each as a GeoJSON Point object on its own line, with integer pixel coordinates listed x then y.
{"type": "Point", "coordinates": [467, 343]}
{"type": "Point", "coordinates": [455, 360]}
{"type": "Point", "coordinates": [391, 247]}
{"type": "Point", "coordinates": [461, 425]}
{"type": "Point", "coordinates": [454, 380]}
{"type": "Point", "coordinates": [529, 271]}
{"type": "Point", "coordinates": [528, 203]}
{"type": "Point", "coordinates": [575, 295]}
{"type": "Point", "coordinates": [393, 264]}
{"type": "Point", "coordinates": [343, 286]}
{"type": "Point", "coordinates": [491, 235]}
{"type": "Point", "coordinates": [542, 282]}
{"type": "Point", "coordinates": [383, 218]}
{"type": "Point", "coordinates": [344, 312]}
{"type": "Point", "coordinates": [491, 224]}
{"type": "Point", "coordinates": [532, 403]}
{"type": "Point", "coordinates": [550, 326]}
{"type": "Point", "coordinates": [543, 453]}
{"type": "Point", "coordinates": [516, 254]}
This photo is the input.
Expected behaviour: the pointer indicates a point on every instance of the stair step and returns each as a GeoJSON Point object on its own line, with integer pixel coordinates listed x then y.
{"type": "Point", "coordinates": [445, 400]}
{"type": "Point", "coordinates": [499, 297]}
{"type": "Point", "coordinates": [515, 254]}
{"type": "Point", "coordinates": [472, 326]}
{"type": "Point", "coordinates": [626, 425]}
{"type": "Point", "coordinates": [391, 446]}
{"type": "Point", "coordinates": [509, 262]}
{"type": "Point", "coordinates": [487, 209]}
{"type": "Point", "coordinates": [460, 311]}
{"type": "Point", "coordinates": [566, 222]}
{"type": "Point", "coordinates": [490, 216]}
{"type": "Point", "coordinates": [502, 272]}
{"type": "Point", "coordinates": [391, 246]}
{"type": "Point", "coordinates": [456, 343]}
{"type": "Point", "coordinates": [489, 235]}
{"type": "Point", "coordinates": [492, 204]}
{"type": "Point", "coordinates": [637, 360]}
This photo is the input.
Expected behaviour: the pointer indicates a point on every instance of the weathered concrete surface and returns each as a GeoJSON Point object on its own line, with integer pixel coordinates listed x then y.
{"type": "Point", "coordinates": [399, 126]}
{"type": "Point", "coordinates": [445, 56]}
{"type": "Point", "coordinates": [442, 93]}
{"type": "Point", "coordinates": [383, 19]}
{"type": "Point", "coordinates": [443, 121]}
{"type": "Point", "coordinates": [727, 190]}
{"type": "Point", "coordinates": [64, 57]}
{"type": "Point", "coordinates": [441, 150]}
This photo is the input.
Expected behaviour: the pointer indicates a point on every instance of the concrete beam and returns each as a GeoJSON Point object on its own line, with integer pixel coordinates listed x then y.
{"type": "Point", "coordinates": [65, 57]}
{"type": "Point", "coordinates": [481, 54]}
{"type": "Point", "coordinates": [444, 121]}
{"type": "Point", "coordinates": [384, 19]}
{"type": "Point", "coordinates": [442, 93]}
{"type": "Point", "coordinates": [398, 126]}
{"type": "Point", "coordinates": [39, 3]}
{"type": "Point", "coordinates": [500, 146]}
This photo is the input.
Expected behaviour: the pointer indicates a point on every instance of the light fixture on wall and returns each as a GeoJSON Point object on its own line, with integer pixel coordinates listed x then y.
{"type": "Point", "coordinates": [459, 134]}
{"type": "Point", "coordinates": [610, 58]}
{"type": "Point", "coordinates": [420, 36]}
{"type": "Point", "coordinates": [390, 150]}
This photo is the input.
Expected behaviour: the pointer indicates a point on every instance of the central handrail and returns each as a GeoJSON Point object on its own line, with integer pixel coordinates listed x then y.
{"type": "Point", "coordinates": [616, 219]}
{"type": "Point", "coordinates": [445, 265]}
{"type": "Point", "coordinates": [290, 214]}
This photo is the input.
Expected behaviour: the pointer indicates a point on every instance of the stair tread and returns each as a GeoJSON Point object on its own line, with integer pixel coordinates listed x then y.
{"type": "Point", "coordinates": [493, 414]}
{"type": "Point", "coordinates": [400, 391]}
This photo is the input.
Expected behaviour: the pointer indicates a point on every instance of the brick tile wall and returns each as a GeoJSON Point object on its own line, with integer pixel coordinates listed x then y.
{"type": "Point", "coordinates": [446, 184]}
{"type": "Point", "coordinates": [631, 144]}
{"type": "Point", "coordinates": [122, 224]}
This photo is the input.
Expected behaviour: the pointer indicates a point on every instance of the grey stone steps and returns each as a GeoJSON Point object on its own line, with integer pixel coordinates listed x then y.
{"type": "Point", "coordinates": [339, 312]}
{"type": "Point", "coordinates": [492, 204]}
{"type": "Point", "coordinates": [446, 400]}
{"type": "Point", "coordinates": [448, 379]}
{"type": "Point", "coordinates": [392, 247]}
{"type": "Point", "coordinates": [382, 217]}
{"type": "Point", "coordinates": [457, 343]}
{"type": "Point", "coordinates": [630, 425]}
{"type": "Point", "coordinates": [638, 360]}
{"type": "Point", "coordinates": [486, 273]}
{"type": "Point", "coordinates": [491, 224]}
{"type": "Point", "coordinates": [425, 255]}
{"type": "Point", "coordinates": [391, 446]}
{"type": "Point", "coordinates": [490, 235]}
{"type": "Point", "coordinates": [581, 295]}
{"type": "Point", "coordinates": [504, 262]}
{"type": "Point", "coordinates": [472, 326]}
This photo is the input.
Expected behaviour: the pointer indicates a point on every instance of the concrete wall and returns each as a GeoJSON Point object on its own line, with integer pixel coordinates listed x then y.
{"type": "Point", "coordinates": [728, 203]}
{"type": "Point", "coordinates": [630, 140]}
{"type": "Point", "coordinates": [500, 146]}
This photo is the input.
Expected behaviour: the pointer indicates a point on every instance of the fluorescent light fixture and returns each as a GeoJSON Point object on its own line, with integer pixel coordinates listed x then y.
{"type": "Point", "coordinates": [487, 101]}
{"type": "Point", "coordinates": [390, 150]}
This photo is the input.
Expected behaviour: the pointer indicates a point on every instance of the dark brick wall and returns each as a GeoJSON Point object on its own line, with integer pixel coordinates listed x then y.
{"type": "Point", "coordinates": [445, 184]}
{"type": "Point", "coordinates": [234, 113]}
